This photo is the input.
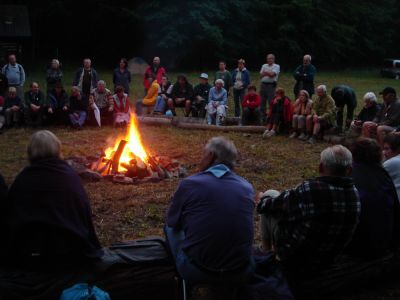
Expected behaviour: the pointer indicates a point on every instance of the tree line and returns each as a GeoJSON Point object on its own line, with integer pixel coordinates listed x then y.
{"type": "Point", "coordinates": [196, 34]}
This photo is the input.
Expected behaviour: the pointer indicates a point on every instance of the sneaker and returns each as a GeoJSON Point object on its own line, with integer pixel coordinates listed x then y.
{"type": "Point", "coordinates": [293, 135]}
{"type": "Point", "coordinates": [271, 133]}
{"type": "Point", "coordinates": [303, 137]}
{"type": "Point", "coordinates": [312, 140]}
{"type": "Point", "coordinates": [265, 134]}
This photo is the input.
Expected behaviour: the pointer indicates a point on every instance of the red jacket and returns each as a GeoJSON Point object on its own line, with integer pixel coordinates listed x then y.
{"type": "Point", "coordinates": [251, 101]}
{"type": "Point", "coordinates": [287, 109]}
{"type": "Point", "coordinates": [149, 72]}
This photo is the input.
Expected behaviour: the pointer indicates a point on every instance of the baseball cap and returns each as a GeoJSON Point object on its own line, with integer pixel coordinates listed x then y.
{"type": "Point", "coordinates": [204, 76]}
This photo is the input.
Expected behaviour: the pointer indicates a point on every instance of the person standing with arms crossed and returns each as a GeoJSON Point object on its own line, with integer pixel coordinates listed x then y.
{"type": "Point", "coordinates": [269, 77]}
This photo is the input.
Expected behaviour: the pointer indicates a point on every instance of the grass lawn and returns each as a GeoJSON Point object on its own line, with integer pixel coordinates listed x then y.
{"type": "Point", "coordinates": [128, 211]}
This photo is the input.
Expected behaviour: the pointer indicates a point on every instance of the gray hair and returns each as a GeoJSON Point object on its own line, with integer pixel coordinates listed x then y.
{"type": "Point", "coordinates": [370, 96]}
{"type": "Point", "coordinates": [271, 55]}
{"type": "Point", "coordinates": [101, 82]}
{"type": "Point", "coordinates": [307, 57]}
{"type": "Point", "coordinates": [55, 61]}
{"type": "Point", "coordinates": [336, 160]}
{"type": "Point", "coordinates": [224, 150]}
{"type": "Point", "coordinates": [76, 88]}
{"type": "Point", "coordinates": [323, 88]}
{"type": "Point", "coordinates": [43, 144]}
{"type": "Point", "coordinates": [220, 81]}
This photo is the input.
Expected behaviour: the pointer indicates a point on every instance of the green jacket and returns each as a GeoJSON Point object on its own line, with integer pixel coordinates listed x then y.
{"type": "Point", "coordinates": [37, 99]}
{"type": "Point", "coordinates": [325, 108]}
{"type": "Point", "coordinates": [226, 77]}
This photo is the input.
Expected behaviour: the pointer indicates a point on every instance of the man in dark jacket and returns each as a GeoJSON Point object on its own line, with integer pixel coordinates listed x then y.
{"type": "Point", "coordinates": [181, 95]}
{"type": "Point", "coordinates": [304, 75]}
{"type": "Point", "coordinates": [200, 97]}
{"type": "Point", "coordinates": [57, 106]}
{"type": "Point", "coordinates": [34, 104]}
{"type": "Point", "coordinates": [344, 96]}
{"type": "Point", "coordinates": [86, 78]}
{"type": "Point", "coordinates": [78, 107]}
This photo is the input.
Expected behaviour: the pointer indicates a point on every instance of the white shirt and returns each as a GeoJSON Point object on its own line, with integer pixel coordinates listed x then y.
{"type": "Point", "coordinates": [392, 166]}
{"type": "Point", "coordinates": [267, 68]}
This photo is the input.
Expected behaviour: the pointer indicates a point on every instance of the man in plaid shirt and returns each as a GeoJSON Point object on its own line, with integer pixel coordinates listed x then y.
{"type": "Point", "coordinates": [309, 226]}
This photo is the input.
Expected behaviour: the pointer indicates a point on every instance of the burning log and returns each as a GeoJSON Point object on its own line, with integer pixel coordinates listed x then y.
{"type": "Point", "coordinates": [156, 168]}
{"type": "Point", "coordinates": [136, 169]}
{"type": "Point", "coordinates": [117, 156]}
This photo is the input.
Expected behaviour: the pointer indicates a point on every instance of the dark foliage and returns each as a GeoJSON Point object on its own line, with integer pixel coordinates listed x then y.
{"type": "Point", "coordinates": [196, 34]}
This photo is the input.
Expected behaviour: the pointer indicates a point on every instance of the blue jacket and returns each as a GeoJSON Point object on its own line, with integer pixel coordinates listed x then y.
{"type": "Point", "coordinates": [245, 77]}
{"type": "Point", "coordinates": [217, 220]}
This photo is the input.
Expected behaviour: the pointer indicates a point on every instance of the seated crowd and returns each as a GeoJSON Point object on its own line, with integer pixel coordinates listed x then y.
{"type": "Point", "coordinates": [89, 101]}
{"type": "Point", "coordinates": [210, 232]}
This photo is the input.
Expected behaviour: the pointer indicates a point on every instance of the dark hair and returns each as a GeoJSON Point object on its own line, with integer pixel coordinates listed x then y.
{"type": "Point", "coordinates": [125, 61]}
{"type": "Point", "coordinates": [222, 61]}
{"type": "Point", "coordinates": [181, 76]}
{"type": "Point", "coordinates": [393, 140]}
{"type": "Point", "coordinates": [119, 88]}
{"type": "Point", "coordinates": [252, 87]}
{"type": "Point", "coordinates": [367, 151]}
{"type": "Point", "coordinates": [280, 91]}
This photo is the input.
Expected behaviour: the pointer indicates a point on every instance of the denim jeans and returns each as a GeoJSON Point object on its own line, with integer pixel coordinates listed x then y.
{"type": "Point", "coordinates": [238, 98]}
{"type": "Point", "coordinates": [161, 105]}
{"type": "Point", "coordinates": [191, 273]}
{"type": "Point", "coordinates": [78, 118]}
{"type": "Point", "coordinates": [267, 93]}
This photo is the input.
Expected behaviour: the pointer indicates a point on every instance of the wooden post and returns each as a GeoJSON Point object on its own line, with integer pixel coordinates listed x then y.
{"type": "Point", "coordinates": [117, 156]}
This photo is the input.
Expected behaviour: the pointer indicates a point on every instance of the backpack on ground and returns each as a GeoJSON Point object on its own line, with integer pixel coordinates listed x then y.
{"type": "Point", "coordinates": [84, 291]}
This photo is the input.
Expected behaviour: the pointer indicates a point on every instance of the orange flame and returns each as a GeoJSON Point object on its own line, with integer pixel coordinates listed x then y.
{"type": "Point", "coordinates": [134, 147]}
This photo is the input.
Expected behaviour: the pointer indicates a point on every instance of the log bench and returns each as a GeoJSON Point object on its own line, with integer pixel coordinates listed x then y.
{"type": "Point", "coordinates": [346, 276]}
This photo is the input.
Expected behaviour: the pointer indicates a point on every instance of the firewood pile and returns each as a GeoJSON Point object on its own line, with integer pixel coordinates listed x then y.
{"type": "Point", "coordinates": [135, 171]}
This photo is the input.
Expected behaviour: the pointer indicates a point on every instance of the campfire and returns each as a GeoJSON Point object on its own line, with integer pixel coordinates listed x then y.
{"type": "Point", "coordinates": [129, 161]}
